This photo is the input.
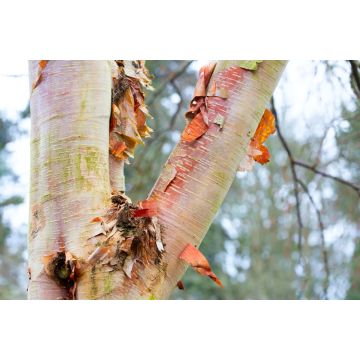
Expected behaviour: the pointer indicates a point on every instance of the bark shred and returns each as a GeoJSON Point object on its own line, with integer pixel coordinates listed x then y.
{"type": "Point", "coordinates": [131, 237]}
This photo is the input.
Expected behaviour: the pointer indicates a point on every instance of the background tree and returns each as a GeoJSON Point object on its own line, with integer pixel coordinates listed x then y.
{"type": "Point", "coordinates": [11, 254]}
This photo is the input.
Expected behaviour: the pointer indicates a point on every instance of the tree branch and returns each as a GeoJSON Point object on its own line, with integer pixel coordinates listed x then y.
{"type": "Point", "coordinates": [179, 105]}
{"type": "Point", "coordinates": [172, 121]}
{"type": "Point", "coordinates": [293, 164]}
{"type": "Point", "coordinates": [171, 77]}
{"type": "Point", "coordinates": [294, 175]}
{"type": "Point", "coordinates": [324, 174]}
{"type": "Point", "coordinates": [322, 237]}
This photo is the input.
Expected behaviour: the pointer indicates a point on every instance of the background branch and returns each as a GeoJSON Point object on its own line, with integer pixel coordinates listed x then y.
{"type": "Point", "coordinates": [171, 77]}
{"type": "Point", "coordinates": [324, 174]}
{"type": "Point", "coordinates": [322, 237]}
{"type": "Point", "coordinates": [294, 175]}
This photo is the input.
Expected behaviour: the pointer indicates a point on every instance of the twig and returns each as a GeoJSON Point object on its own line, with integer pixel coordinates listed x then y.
{"type": "Point", "coordinates": [293, 164]}
{"type": "Point", "coordinates": [322, 140]}
{"type": "Point", "coordinates": [171, 77]}
{"type": "Point", "coordinates": [14, 75]}
{"type": "Point", "coordinates": [294, 175]}
{"type": "Point", "coordinates": [324, 174]}
{"type": "Point", "coordinates": [179, 105]}
{"type": "Point", "coordinates": [322, 236]}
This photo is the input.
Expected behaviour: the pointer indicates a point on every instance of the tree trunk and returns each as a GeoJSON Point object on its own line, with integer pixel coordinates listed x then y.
{"type": "Point", "coordinates": [70, 181]}
{"type": "Point", "coordinates": [70, 185]}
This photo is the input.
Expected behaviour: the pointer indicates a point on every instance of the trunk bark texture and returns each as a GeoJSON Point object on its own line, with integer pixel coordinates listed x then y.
{"type": "Point", "coordinates": [70, 185]}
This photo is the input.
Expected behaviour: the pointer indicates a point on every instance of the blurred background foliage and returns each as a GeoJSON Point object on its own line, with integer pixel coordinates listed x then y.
{"type": "Point", "coordinates": [253, 244]}
{"type": "Point", "coordinates": [12, 257]}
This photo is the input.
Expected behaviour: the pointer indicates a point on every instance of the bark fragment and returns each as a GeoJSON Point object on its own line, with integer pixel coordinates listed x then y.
{"type": "Point", "coordinates": [146, 208]}
{"type": "Point", "coordinates": [128, 116]}
{"type": "Point", "coordinates": [132, 237]}
{"type": "Point", "coordinates": [210, 102]}
{"type": "Point", "coordinates": [199, 263]}
{"type": "Point", "coordinates": [169, 174]}
{"type": "Point", "coordinates": [39, 76]}
{"type": "Point", "coordinates": [256, 150]}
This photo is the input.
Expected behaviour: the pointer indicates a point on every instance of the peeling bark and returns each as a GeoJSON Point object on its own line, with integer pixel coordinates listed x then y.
{"type": "Point", "coordinates": [130, 251]}
{"type": "Point", "coordinates": [207, 167]}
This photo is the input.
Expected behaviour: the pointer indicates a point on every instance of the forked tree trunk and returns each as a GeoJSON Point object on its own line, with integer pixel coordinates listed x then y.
{"type": "Point", "coordinates": [70, 181]}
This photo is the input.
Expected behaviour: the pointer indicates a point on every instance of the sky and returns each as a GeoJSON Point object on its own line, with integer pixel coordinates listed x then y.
{"type": "Point", "coordinates": [14, 96]}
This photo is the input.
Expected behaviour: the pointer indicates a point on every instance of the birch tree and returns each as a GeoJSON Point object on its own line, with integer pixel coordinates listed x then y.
{"type": "Point", "coordinates": [87, 240]}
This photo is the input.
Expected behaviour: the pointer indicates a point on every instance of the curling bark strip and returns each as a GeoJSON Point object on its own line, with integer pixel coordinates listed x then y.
{"type": "Point", "coordinates": [70, 111]}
